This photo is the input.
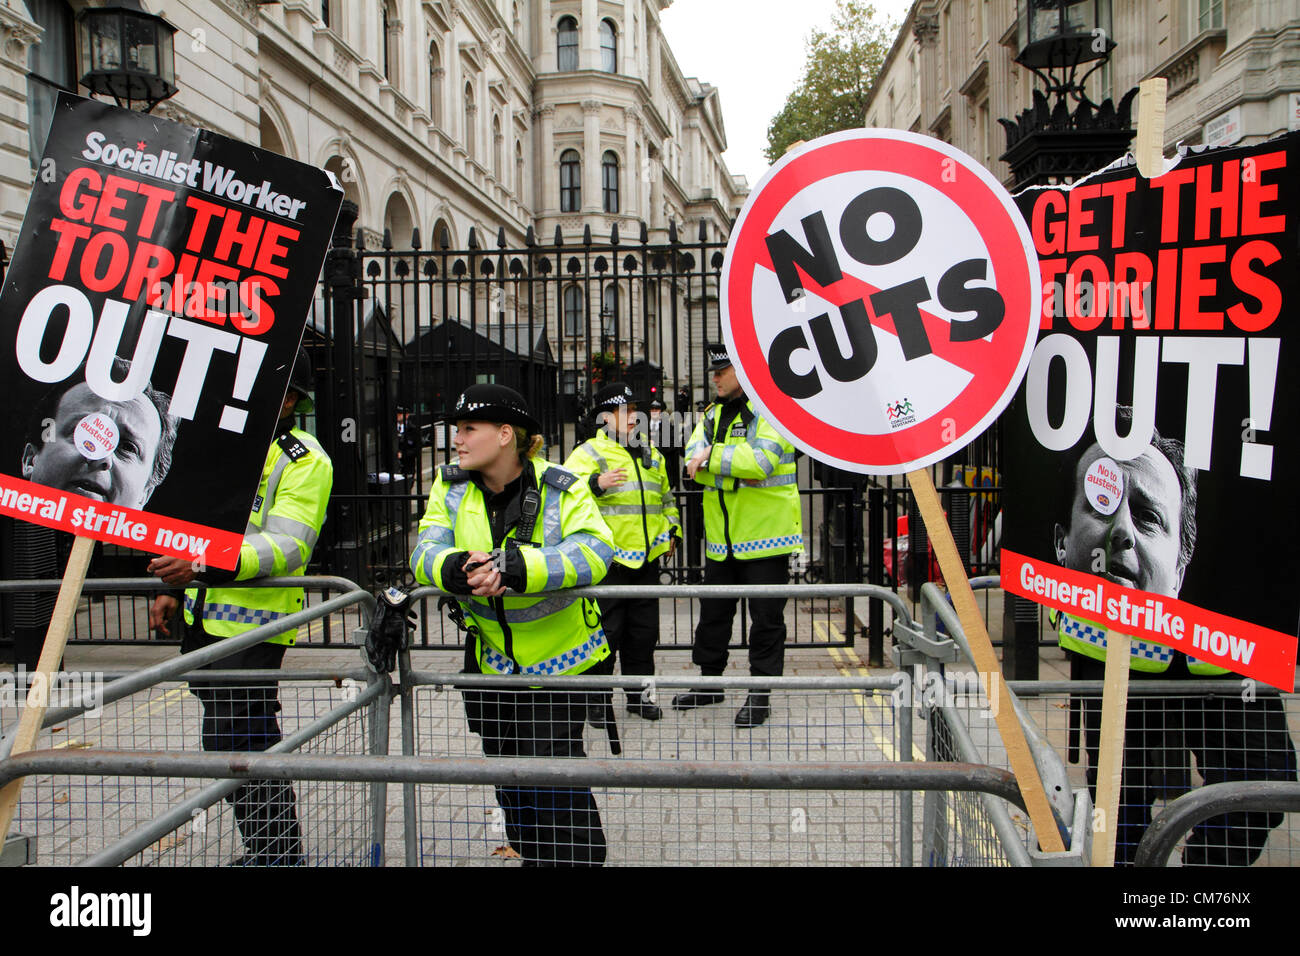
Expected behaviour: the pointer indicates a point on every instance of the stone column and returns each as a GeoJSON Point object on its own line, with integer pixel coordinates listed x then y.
{"type": "Point", "coordinates": [591, 156]}
{"type": "Point", "coordinates": [546, 169]}
{"type": "Point", "coordinates": [630, 174]}
{"type": "Point", "coordinates": [452, 105]}
{"type": "Point", "coordinates": [926, 31]}
{"type": "Point", "coordinates": [589, 36]}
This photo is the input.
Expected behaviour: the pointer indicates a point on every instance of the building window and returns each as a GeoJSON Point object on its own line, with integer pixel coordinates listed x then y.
{"type": "Point", "coordinates": [1209, 15]}
{"type": "Point", "coordinates": [325, 12]}
{"type": "Point", "coordinates": [572, 310]}
{"type": "Point", "coordinates": [52, 64]}
{"type": "Point", "coordinates": [609, 313]}
{"type": "Point", "coordinates": [570, 181]}
{"type": "Point", "coordinates": [388, 15]}
{"type": "Point", "coordinates": [609, 182]}
{"type": "Point", "coordinates": [471, 112]}
{"type": "Point", "coordinates": [567, 44]}
{"type": "Point", "coordinates": [608, 47]}
{"type": "Point", "coordinates": [498, 147]}
{"type": "Point", "coordinates": [519, 170]}
{"type": "Point", "coordinates": [435, 85]}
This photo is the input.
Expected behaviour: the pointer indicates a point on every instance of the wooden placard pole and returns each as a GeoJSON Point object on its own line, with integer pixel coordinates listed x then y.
{"type": "Point", "coordinates": [1149, 152]}
{"type": "Point", "coordinates": [38, 694]}
{"type": "Point", "coordinates": [986, 662]}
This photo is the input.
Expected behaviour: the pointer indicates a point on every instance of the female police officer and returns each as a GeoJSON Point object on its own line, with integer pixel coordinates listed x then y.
{"type": "Point", "coordinates": [498, 521]}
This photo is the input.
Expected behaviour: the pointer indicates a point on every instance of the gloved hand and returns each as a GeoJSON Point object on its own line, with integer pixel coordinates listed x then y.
{"type": "Point", "coordinates": [394, 620]}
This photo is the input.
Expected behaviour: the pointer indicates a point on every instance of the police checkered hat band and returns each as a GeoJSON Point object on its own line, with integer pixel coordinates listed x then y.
{"type": "Point", "coordinates": [612, 396]}
{"type": "Point", "coordinates": [494, 403]}
{"type": "Point", "coordinates": [718, 357]}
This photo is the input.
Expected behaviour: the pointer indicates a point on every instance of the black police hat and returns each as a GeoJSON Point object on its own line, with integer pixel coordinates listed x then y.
{"type": "Point", "coordinates": [301, 381]}
{"type": "Point", "coordinates": [718, 357]}
{"type": "Point", "coordinates": [494, 403]}
{"type": "Point", "coordinates": [611, 396]}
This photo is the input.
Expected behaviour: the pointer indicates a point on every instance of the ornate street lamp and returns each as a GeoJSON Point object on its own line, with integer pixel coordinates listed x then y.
{"type": "Point", "coordinates": [126, 53]}
{"type": "Point", "coordinates": [1055, 142]}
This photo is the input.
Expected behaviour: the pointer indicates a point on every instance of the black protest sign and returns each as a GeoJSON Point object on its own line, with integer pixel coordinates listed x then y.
{"type": "Point", "coordinates": [148, 326]}
{"type": "Point", "coordinates": [1149, 460]}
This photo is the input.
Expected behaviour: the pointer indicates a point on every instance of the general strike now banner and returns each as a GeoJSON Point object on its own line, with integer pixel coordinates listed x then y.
{"type": "Point", "coordinates": [1150, 462]}
{"type": "Point", "coordinates": [148, 325]}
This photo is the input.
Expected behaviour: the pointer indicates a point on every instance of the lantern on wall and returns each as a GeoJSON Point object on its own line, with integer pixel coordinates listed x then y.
{"type": "Point", "coordinates": [127, 53]}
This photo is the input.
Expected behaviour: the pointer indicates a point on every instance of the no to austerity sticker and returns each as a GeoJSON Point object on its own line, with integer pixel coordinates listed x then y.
{"type": "Point", "coordinates": [880, 299]}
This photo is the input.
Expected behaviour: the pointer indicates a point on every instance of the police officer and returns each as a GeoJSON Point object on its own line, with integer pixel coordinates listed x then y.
{"type": "Point", "coordinates": [282, 530]}
{"type": "Point", "coordinates": [629, 479]}
{"type": "Point", "coordinates": [752, 524]}
{"type": "Point", "coordinates": [498, 521]}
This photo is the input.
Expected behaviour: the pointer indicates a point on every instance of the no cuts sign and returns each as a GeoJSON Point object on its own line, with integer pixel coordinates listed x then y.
{"type": "Point", "coordinates": [880, 298]}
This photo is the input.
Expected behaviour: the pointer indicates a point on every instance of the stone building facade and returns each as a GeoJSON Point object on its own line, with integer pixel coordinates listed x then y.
{"type": "Point", "coordinates": [436, 115]}
{"type": "Point", "coordinates": [1233, 68]}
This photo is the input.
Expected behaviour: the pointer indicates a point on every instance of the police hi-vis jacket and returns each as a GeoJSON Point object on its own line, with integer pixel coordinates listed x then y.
{"type": "Point", "coordinates": [641, 512]}
{"type": "Point", "coordinates": [1089, 639]}
{"type": "Point", "coordinates": [544, 630]}
{"type": "Point", "coordinates": [282, 530]}
{"type": "Point", "coordinates": [751, 501]}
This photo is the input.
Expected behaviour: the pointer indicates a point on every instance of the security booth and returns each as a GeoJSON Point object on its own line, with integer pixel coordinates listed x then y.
{"type": "Point", "coordinates": [443, 361]}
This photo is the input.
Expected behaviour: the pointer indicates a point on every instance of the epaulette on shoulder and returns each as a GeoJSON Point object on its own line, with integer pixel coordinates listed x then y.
{"type": "Point", "coordinates": [560, 478]}
{"type": "Point", "coordinates": [454, 473]}
{"type": "Point", "coordinates": [293, 447]}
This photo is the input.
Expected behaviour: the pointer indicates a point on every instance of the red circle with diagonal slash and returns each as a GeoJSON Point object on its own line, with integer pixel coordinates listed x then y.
{"type": "Point", "coordinates": [995, 363]}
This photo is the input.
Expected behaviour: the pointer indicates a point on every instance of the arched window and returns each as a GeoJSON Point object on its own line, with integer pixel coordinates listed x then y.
{"type": "Point", "coordinates": [498, 147]}
{"type": "Point", "coordinates": [609, 311]}
{"type": "Point", "coordinates": [570, 181]}
{"type": "Point", "coordinates": [609, 182]}
{"type": "Point", "coordinates": [391, 44]}
{"type": "Point", "coordinates": [471, 116]}
{"type": "Point", "coordinates": [435, 85]}
{"type": "Point", "coordinates": [608, 46]}
{"type": "Point", "coordinates": [566, 44]}
{"type": "Point", "coordinates": [572, 310]}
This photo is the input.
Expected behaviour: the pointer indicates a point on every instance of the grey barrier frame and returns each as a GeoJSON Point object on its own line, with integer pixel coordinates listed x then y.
{"type": "Point", "coordinates": [1178, 818]}
{"type": "Point", "coordinates": [410, 770]}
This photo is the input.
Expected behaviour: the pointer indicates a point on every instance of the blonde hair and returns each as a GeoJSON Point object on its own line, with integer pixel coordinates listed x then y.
{"type": "Point", "coordinates": [526, 445]}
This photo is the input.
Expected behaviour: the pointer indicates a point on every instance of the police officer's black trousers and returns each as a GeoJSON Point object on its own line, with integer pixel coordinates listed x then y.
{"type": "Point", "coordinates": [242, 717]}
{"type": "Point", "coordinates": [631, 626]}
{"type": "Point", "coordinates": [546, 826]}
{"type": "Point", "coordinates": [1231, 739]}
{"type": "Point", "coordinates": [766, 616]}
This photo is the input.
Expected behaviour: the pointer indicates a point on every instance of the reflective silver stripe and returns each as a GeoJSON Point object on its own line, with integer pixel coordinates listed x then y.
{"type": "Point", "coordinates": [262, 547]}
{"type": "Point", "coordinates": [551, 534]}
{"type": "Point", "coordinates": [273, 482]}
{"type": "Point", "coordinates": [571, 547]}
{"type": "Point", "coordinates": [724, 460]}
{"type": "Point", "coordinates": [630, 486]}
{"type": "Point", "coordinates": [789, 459]}
{"type": "Point", "coordinates": [438, 534]}
{"type": "Point", "coordinates": [767, 445]}
{"type": "Point", "coordinates": [631, 509]}
{"type": "Point", "coordinates": [455, 495]}
{"type": "Point", "coordinates": [554, 571]}
{"type": "Point", "coordinates": [297, 529]}
{"type": "Point", "coordinates": [600, 461]}
{"type": "Point", "coordinates": [711, 480]}
{"type": "Point", "coordinates": [434, 541]}
{"type": "Point", "coordinates": [772, 482]}
{"type": "Point", "coordinates": [525, 615]}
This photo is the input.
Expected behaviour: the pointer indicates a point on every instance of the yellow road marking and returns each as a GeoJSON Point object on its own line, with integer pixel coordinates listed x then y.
{"type": "Point", "coordinates": [847, 662]}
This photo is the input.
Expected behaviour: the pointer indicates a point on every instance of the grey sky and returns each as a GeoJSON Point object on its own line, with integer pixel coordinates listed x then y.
{"type": "Point", "coordinates": [753, 52]}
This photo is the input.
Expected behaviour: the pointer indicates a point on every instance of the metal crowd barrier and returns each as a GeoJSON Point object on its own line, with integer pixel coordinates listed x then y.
{"type": "Point", "coordinates": [832, 777]}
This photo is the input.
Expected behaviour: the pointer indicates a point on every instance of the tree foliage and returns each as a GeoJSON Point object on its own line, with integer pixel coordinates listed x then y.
{"type": "Point", "coordinates": [842, 67]}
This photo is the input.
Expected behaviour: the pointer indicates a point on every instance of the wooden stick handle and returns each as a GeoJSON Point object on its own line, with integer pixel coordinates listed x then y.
{"type": "Point", "coordinates": [1110, 763]}
{"type": "Point", "coordinates": [56, 639]}
{"type": "Point", "coordinates": [986, 662]}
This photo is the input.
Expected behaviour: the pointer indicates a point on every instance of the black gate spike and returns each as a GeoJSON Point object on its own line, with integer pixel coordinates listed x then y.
{"type": "Point", "coordinates": [613, 234]}
{"type": "Point", "coordinates": [704, 231]}
{"type": "Point", "coordinates": [672, 231]}
{"type": "Point", "coordinates": [501, 237]}
{"type": "Point", "coordinates": [388, 241]}
{"type": "Point", "coordinates": [361, 239]}
{"type": "Point", "coordinates": [530, 238]}
{"type": "Point", "coordinates": [473, 238]}
{"type": "Point", "coordinates": [645, 233]}
{"type": "Point", "coordinates": [415, 238]}
{"type": "Point", "coordinates": [559, 237]}
{"type": "Point", "coordinates": [586, 234]}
